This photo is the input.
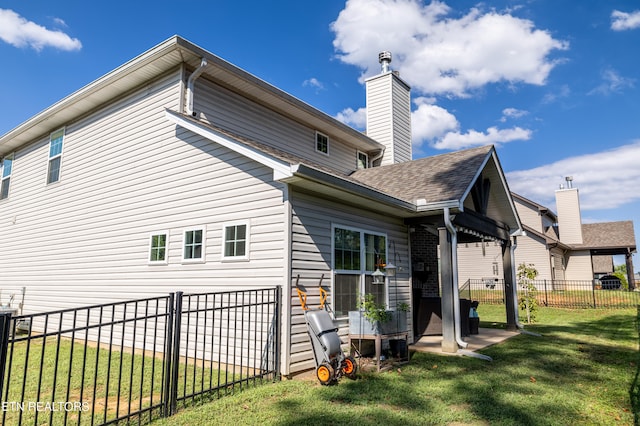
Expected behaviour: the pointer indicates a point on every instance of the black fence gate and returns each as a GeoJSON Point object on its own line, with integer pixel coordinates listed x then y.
{"type": "Point", "coordinates": [136, 360]}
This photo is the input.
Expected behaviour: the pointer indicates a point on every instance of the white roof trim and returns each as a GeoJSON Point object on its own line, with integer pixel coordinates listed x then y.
{"type": "Point", "coordinates": [280, 169]}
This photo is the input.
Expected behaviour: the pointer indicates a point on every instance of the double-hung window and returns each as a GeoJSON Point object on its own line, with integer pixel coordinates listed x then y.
{"type": "Point", "coordinates": [7, 165]}
{"type": "Point", "coordinates": [193, 245]}
{"type": "Point", "coordinates": [158, 248]}
{"type": "Point", "coordinates": [356, 255]}
{"type": "Point", "coordinates": [322, 143]}
{"type": "Point", "coordinates": [55, 156]}
{"type": "Point", "coordinates": [236, 241]}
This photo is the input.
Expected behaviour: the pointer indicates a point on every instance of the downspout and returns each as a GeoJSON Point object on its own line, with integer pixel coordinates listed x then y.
{"type": "Point", "coordinates": [286, 313]}
{"type": "Point", "coordinates": [191, 84]}
{"type": "Point", "coordinates": [377, 157]}
{"type": "Point", "coordinates": [454, 263]}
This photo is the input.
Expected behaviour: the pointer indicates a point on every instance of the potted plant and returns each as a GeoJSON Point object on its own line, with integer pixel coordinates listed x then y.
{"type": "Point", "coordinates": [371, 318]}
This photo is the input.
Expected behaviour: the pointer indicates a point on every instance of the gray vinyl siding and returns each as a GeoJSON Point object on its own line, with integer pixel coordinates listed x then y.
{"type": "Point", "coordinates": [401, 122]}
{"type": "Point", "coordinates": [569, 222]}
{"type": "Point", "coordinates": [128, 172]}
{"type": "Point", "coordinates": [533, 250]}
{"type": "Point", "coordinates": [579, 266]}
{"type": "Point", "coordinates": [529, 215]}
{"type": "Point", "coordinates": [389, 116]}
{"type": "Point", "coordinates": [232, 112]}
{"type": "Point", "coordinates": [311, 240]}
{"type": "Point", "coordinates": [475, 264]}
{"type": "Point", "coordinates": [557, 257]}
{"type": "Point", "coordinates": [379, 114]}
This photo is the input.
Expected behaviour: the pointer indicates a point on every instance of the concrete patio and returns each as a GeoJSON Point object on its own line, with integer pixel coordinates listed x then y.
{"type": "Point", "coordinates": [485, 337]}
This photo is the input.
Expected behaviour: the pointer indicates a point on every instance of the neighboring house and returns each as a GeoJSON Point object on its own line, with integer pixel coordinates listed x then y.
{"type": "Point", "coordinates": [181, 172]}
{"type": "Point", "coordinates": [560, 247]}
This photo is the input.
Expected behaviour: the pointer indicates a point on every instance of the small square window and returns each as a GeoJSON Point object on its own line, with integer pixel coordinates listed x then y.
{"type": "Point", "coordinates": [193, 245]}
{"type": "Point", "coordinates": [158, 249]}
{"type": "Point", "coordinates": [322, 143]}
{"type": "Point", "coordinates": [236, 241]}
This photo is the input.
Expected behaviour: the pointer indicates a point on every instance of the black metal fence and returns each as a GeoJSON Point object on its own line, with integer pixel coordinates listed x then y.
{"type": "Point", "coordinates": [555, 293]}
{"type": "Point", "coordinates": [134, 361]}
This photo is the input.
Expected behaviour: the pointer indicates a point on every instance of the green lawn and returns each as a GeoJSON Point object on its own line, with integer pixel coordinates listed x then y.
{"type": "Point", "coordinates": [581, 370]}
{"type": "Point", "coordinates": [103, 386]}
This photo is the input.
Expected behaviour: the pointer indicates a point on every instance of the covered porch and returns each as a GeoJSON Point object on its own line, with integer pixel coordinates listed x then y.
{"type": "Point", "coordinates": [459, 197]}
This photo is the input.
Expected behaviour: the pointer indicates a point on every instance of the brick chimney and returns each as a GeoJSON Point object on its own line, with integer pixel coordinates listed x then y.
{"type": "Point", "coordinates": [389, 112]}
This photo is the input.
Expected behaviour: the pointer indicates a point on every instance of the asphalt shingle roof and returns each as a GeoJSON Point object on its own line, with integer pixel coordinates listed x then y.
{"type": "Point", "coordinates": [439, 178]}
{"type": "Point", "coordinates": [608, 235]}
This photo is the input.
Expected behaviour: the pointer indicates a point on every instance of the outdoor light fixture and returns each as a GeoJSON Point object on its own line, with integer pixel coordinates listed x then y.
{"type": "Point", "coordinates": [390, 269]}
{"type": "Point", "coordinates": [378, 276]}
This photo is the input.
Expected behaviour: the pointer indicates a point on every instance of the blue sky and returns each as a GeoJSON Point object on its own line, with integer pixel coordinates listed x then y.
{"type": "Point", "coordinates": [553, 84]}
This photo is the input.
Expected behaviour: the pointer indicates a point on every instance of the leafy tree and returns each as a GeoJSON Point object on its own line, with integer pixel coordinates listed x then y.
{"type": "Point", "coordinates": [620, 271]}
{"type": "Point", "coordinates": [528, 302]}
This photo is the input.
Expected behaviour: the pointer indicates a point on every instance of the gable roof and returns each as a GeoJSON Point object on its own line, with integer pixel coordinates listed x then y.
{"type": "Point", "coordinates": [436, 179]}
{"type": "Point", "coordinates": [445, 181]}
{"type": "Point", "coordinates": [157, 61]}
{"type": "Point", "coordinates": [408, 189]}
{"type": "Point", "coordinates": [603, 237]}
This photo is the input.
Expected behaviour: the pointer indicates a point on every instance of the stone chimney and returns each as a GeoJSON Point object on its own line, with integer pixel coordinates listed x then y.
{"type": "Point", "coordinates": [389, 112]}
{"type": "Point", "coordinates": [569, 220]}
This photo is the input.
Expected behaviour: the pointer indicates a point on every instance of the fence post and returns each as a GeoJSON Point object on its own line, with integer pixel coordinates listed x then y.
{"type": "Point", "coordinates": [593, 292]}
{"type": "Point", "coordinates": [546, 297]}
{"type": "Point", "coordinates": [168, 345]}
{"type": "Point", "coordinates": [175, 363]}
{"type": "Point", "coordinates": [5, 325]}
{"type": "Point", "coordinates": [278, 330]}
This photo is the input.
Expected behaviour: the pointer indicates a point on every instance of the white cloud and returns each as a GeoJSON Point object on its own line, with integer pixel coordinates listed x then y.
{"type": "Point", "coordinates": [17, 31]}
{"type": "Point", "coordinates": [441, 130]}
{"type": "Point", "coordinates": [357, 119]}
{"type": "Point", "coordinates": [442, 55]}
{"type": "Point", "coordinates": [551, 97]}
{"type": "Point", "coordinates": [313, 82]}
{"type": "Point", "coordinates": [606, 180]}
{"type": "Point", "coordinates": [493, 135]}
{"type": "Point", "coordinates": [612, 83]}
{"type": "Point", "coordinates": [621, 21]}
{"type": "Point", "coordinates": [430, 122]}
{"type": "Point", "coordinates": [508, 113]}
{"type": "Point", "coordinates": [59, 21]}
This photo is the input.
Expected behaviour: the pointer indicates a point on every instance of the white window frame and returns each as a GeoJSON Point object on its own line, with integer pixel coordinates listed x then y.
{"type": "Point", "coordinates": [247, 242]}
{"type": "Point", "coordinates": [165, 261]}
{"type": "Point", "coordinates": [320, 134]}
{"type": "Point", "coordinates": [57, 156]}
{"type": "Point", "coordinates": [363, 272]}
{"type": "Point", "coordinates": [200, 259]}
{"type": "Point", "coordinates": [366, 164]}
{"type": "Point", "coordinates": [6, 178]}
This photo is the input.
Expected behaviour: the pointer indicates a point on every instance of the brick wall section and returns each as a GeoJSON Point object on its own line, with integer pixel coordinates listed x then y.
{"type": "Point", "coordinates": [424, 255]}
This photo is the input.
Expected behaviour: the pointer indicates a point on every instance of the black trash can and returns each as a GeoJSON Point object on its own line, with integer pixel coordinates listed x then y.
{"type": "Point", "coordinates": [474, 324]}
